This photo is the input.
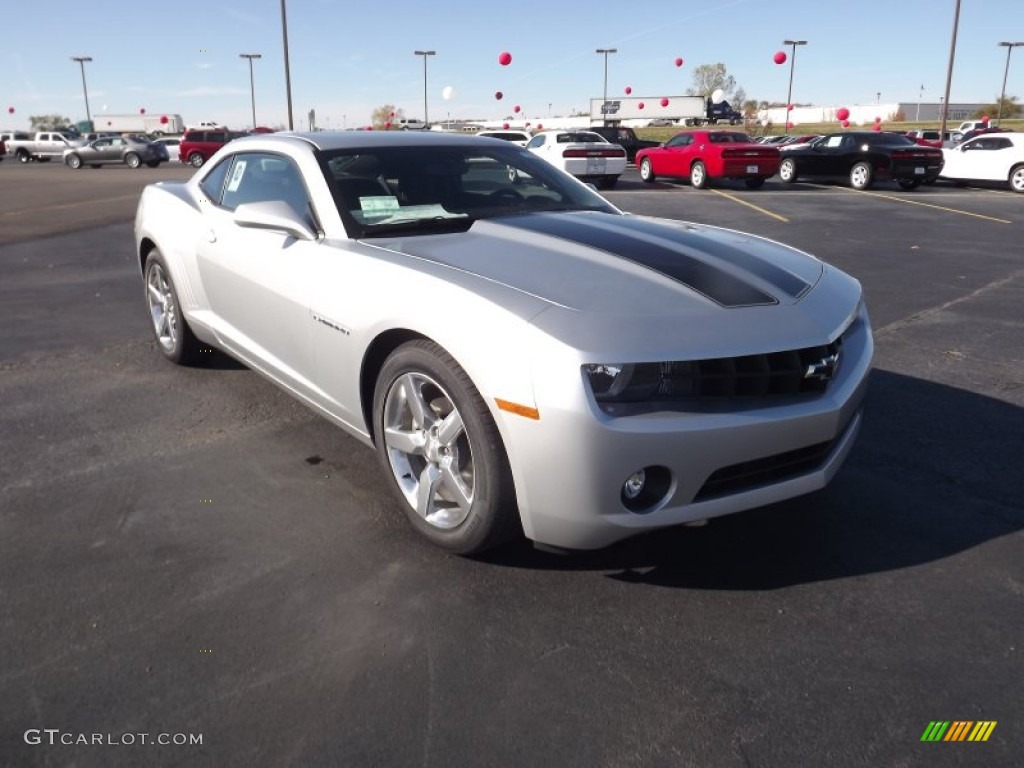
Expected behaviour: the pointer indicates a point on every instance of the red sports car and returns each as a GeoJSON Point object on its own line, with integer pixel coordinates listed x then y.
{"type": "Point", "coordinates": [709, 154]}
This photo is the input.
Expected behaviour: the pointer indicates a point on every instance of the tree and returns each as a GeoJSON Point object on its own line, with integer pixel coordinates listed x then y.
{"type": "Point", "coordinates": [1010, 109]}
{"type": "Point", "coordinates": [48, 122]}
{"type": "Point", "coordinates": [384, 114]}
{"type": "Point", "coordinates": [708, 78]}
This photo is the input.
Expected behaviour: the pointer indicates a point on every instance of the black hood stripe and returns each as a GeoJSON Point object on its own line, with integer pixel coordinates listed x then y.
{"type": "Point", "coordinates": [720, 286]}
{"type": "Point", "coordinates": [785, 281]}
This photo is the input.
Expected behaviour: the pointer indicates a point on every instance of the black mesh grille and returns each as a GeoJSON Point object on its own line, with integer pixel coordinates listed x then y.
{"type": "Point", "coordinates": [771, 469]}
{"type": "Point", "coordinates": [793, 372]}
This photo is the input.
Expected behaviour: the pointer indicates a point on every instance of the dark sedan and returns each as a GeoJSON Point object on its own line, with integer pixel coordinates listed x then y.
{"type": "Point", "coordinates": [863, 157]}
{"type": "Point", "coordinates": [133, 151]}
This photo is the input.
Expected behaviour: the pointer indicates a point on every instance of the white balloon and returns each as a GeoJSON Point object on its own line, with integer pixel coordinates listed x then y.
{"type": "Point", "coordinates": [448, 93]}
{"type": "Point", "coordinates": [717, 95]}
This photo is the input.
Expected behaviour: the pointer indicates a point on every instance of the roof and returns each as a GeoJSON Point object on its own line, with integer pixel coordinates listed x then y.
{"type": "Point", "coordinates": [367, 139]}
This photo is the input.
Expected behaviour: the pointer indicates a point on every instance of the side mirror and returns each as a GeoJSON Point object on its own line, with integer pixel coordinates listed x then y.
{"type": "Point", "coordinates": [273, 215]}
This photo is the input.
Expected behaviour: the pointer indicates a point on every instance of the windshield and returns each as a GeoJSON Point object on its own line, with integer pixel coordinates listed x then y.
{"type": "Point", "coordinates": [417, 190]}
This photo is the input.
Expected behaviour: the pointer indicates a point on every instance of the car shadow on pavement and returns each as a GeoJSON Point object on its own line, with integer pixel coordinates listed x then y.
{"type": "Point", "coordinates": [936, 471]}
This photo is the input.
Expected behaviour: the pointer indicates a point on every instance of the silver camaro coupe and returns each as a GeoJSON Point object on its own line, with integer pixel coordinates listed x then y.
{"type": "Point", "coordinates": [522, 355]}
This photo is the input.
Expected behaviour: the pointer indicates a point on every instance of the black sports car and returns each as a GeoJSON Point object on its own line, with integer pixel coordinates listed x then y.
{"type": "Point", "coordinates": [863, 157]}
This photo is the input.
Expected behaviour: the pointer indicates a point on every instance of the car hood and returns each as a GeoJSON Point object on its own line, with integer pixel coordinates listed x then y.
{"type": "Point", "coordinates": [622, 264]}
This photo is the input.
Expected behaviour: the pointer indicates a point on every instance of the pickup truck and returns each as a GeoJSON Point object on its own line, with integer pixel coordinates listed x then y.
{"type": "Point", "coordinates": [972, 125]}
{"type": "Point", "coordinates": [625, 138]}
{"type": "Point", "coordinates": [44, 146]}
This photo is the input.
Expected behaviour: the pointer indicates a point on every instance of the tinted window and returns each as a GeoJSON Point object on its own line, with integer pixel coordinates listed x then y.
{"type": "Point", "coordinates": [213, 182]}
{"type": "Point", "coordinates": [258, 177]}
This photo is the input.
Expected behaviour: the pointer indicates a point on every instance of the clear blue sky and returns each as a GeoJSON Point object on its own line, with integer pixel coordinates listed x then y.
{"type": "Point", "coordinates": [349, 57]}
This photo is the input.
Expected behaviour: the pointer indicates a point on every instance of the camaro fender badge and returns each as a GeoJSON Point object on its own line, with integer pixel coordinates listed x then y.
{"type": "Point", "coordinates": [331, 324]}
{"type": "Point", "coordinates": [824, 369]}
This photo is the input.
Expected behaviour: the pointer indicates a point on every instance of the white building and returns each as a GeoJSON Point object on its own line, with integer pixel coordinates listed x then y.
{"type": "Point", "coordinates": [866, 114]}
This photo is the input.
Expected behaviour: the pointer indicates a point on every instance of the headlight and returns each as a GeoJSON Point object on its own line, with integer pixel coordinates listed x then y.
{"type": "Point", "coordinates": [623, 382]}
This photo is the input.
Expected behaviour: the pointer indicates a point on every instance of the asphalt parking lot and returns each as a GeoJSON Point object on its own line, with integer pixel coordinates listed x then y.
{"type": "Point", "coordinates": [189, 551]}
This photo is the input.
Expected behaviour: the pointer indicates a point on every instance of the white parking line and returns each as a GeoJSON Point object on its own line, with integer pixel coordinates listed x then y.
{"type": "Point", "coordinates": [928, 205]}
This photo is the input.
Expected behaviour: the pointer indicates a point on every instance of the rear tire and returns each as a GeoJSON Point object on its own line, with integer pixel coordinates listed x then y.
{"type": "Point", "coordinates": [698, 175]}
{"type": "Point", "coordinates": [173, 335]}
{"type": "Point", "coordinates": [647, 171]}
{"type": "Point", "coordinates": [442, 452]}
{"type": "Point", "coordinates": [1017, 178]}
{"type": "Point", "coordinates": [132, 160]}
{"type": "Point", "coordinates": [23, 156]}
{"type": "Point", "coordinates": [861, 176]}
{"type": "Point", "coordinates": [196, 160]}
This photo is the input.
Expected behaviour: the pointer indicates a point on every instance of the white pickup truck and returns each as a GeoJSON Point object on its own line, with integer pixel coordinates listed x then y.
{"type": "Point", "coordinates": [44, 146]}
{"type": "Point", "coordinates": [972, 125]}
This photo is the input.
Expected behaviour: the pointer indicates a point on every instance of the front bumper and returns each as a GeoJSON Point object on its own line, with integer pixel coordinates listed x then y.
{"type": "Point", "coordinates": [571, 465]}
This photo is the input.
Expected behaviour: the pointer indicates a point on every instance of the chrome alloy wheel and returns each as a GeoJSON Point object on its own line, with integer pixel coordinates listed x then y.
{"type": "Point", "coordinates": [428, 450]}
{"type": "Point", "coordinates": [162, 308]}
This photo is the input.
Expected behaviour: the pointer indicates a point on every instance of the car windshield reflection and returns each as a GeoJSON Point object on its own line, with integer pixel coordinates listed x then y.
{"type": "Point", "coordinates": [422, 190]}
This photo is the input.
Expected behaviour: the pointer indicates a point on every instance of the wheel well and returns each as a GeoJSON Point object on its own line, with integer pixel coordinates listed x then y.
{"type": "Point", "coordinates": [145, 247]}
{"type": "Point", "coordinates": [1014, 169]}
{"type": "Point", "coordinates": [379, 351]}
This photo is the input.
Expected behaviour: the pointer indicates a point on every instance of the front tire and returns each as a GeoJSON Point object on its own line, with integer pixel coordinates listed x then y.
{"type": "Point", "coordinates": [441, 450]}
{"type": "Point", "coordinates": [174, 338]}
{"type": "Point", "coordinates": [787, 171]}
{"type": "Point", "coordinates": [698, 175]}
{"type": "Point", "coordinates": [1017, 179]}
{"type": "Point", "coordinates": [861, 176]}
{"type": "Point", "coordinates": [74, 162]}
{"type": "Point", "coordinates": [647, 171]}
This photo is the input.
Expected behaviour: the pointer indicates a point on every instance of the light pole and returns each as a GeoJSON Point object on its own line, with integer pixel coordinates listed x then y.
{"type": "Point", "coordinates": [1002, 94]}
{"type": "Point", "coordinates": [85, 91]}
{"type": "Point", "coordinates": [604, 99]}
{"type": "Point", "coordinates": [792, 64]}
{"type": "Point", "coordinates": [252, 85]}
{"type": "Point", "coordinates": [287, 67]}
{"type": "Point", "coordinates": [425, 54]}
{"type": "Point", "coordinates": [944, 101]}
{"type": "Point", "coordinates": [920, 95]}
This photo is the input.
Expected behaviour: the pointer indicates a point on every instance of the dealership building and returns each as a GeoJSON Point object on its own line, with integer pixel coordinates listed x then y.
{"type": "Point", "coordinates": [866, 114]}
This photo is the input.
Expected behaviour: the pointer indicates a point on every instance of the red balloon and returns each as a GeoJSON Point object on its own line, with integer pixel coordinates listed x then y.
{"type": "Point", "coordinates": [640, 105]}
{"type": "Point", "coordinates": [540, 126]}
{"type": "Point", "coordinates": [779, 57]}
{"type": "Point", "coordinates": [789, 107]}
{"type": "Point", "coordinates": [109, 123]}
{"type": "Point", "coordinates": [664, 102]}
{"type": "Point", "coordinates": [163, 120]}
{"type": "Point", "coordinates": [679, 62]}
{"type": "Point", "coordinates": [878, 119]}
{"type": "Point", "coordinates": [516, 108]}
{"type": "Point", "coordinates": [142, 110]}
{"type": "Point", "coordinates": [845, 123]}
{"type": "Point", "coordinates": [10, 110]}
{"type": "Point", "coordinates": [789, 126]}
{"type": "Point", "coordinates": [387, 125]}
{"type": "Point", "coordinates": [984, 118]}
{"type": "Point", "coordinates": [391, 115]}
{"type": "Point", "coordinates": [504, 58]}
{"type": "Point", "coordinates": [505, 126]}
{"type": "Point", "coordinates": [628, 90]}
{"type": "Point", "coordinates": [527, 124]}
{"type": "Point", "coordinates": [499, 95]}
{"type": "Point", "coordinates": [876, 127]}
{"type": "Point", "coordinates": [843, 113]}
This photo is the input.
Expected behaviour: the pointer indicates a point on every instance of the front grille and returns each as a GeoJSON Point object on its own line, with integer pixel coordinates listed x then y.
{"type": "Point", "coordinates": [793, 372]}
{"type": "Point", "coordinates": [771, 469]}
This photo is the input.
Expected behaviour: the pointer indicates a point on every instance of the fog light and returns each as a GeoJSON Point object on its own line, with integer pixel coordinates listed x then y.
{"type": "Point", "coordinates": [634, 485]}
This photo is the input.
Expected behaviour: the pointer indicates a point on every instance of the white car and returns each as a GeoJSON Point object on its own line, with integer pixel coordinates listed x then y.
{"type": "Point", "coordinates": [173, 144]}
{"type": "Point", "coordinates": [522, 138]}
{"type": "Point", "coordinates": [203, 125]}
{"type": "Point", "coordinates": [521, 354]}
{"type": "Point", "coordinates": [989, 157]}
{"type": "Point", "coordinates": [586, 155]}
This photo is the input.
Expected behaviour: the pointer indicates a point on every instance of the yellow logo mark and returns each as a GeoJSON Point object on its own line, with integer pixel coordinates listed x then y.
{"type": "Point", "coordinates": [206, 501]}
{"type": "Point", "coordinates": [206, 650]}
